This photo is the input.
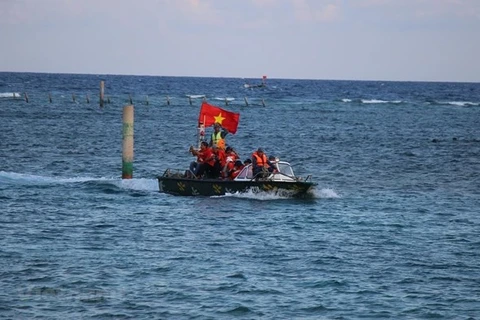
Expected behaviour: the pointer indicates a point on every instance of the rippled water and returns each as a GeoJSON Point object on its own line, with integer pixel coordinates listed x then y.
{"type": "Point", "coordinates": [391, 233]}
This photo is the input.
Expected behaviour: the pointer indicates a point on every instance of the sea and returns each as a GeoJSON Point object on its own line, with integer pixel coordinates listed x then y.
{"type": "Point", "coordinates": [391, 230]}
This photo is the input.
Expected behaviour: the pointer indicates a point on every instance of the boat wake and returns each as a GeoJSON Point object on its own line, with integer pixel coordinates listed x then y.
{"type": "Point", "coordinates": [266, 196]}
{"type": "Point", "coordinates": [139, 184]}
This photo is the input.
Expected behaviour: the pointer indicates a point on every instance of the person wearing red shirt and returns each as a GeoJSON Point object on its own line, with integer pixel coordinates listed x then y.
{"type": "Point", "coordinates": [205, 160]}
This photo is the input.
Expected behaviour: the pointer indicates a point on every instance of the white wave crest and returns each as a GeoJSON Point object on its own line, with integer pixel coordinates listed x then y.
{"type": "Point", "coordinates": [462, 103]}
{"type": "Point", "coordinates": [224, 99]}
{"type": "Point", "coordinates": [10, 95]}
{"type": "Point", "coordinates": [380, 101]}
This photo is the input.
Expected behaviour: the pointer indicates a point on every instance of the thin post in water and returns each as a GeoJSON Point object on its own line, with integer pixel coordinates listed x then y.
{"type": "Point", "coordinates": [26, 97]}
{"type": "Point", "coordinates": [102, 91]}
{"type": "Point", "coordinates": [127, 153]}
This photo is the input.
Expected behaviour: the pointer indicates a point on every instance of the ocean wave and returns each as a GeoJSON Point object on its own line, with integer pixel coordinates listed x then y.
{"type": "Point", "coordinates": [196, 96]}
{"type": "Point", "coordinates": [460, 103]}
{"type": "Point", "coordinates": [11, 95]}
{"type": "Point", "coordinates": [224, 99]}
{"type": "Point", "coordinates": [373, 101]}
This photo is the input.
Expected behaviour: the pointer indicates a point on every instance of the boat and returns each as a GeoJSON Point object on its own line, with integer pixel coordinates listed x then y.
{"type": "Point", "coordinates": [263, 84]}
{"type": "Point", "coordinates": [283, 182]}
{"type": "Point", "coordinates": [260, 85]}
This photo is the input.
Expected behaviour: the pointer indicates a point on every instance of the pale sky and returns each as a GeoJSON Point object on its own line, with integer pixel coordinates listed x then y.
{"type": "Point", "coordinates": [413, 40]}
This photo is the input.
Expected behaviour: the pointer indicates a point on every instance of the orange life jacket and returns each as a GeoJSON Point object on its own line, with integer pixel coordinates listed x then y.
{"type": "Point", "coordinates": [261, 160]}
{"type": "Point", "coordinates": [222, 159]}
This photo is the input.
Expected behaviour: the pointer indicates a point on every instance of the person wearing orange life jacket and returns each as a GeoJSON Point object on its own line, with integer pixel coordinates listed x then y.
{"type": "Point", "coordinates": [218, 134]}
{"type": "Point", "coordinates": [220, 161]}
{"type": "Point", "coordinates": [232, 156]}
{"type": "Point", "coordinates": [260, 162]}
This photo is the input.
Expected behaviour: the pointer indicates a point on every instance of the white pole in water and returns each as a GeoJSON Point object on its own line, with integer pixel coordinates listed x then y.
{"type": "Point", "coordinates": [201, 133]}
{"type": "Point", "coordinates": [246, 102]}
{"type": "Point", "coordinates": [127, 154]}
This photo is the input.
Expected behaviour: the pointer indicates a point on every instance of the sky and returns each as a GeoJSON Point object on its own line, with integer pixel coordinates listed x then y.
{"type": "Point", "coordinates": [405, 40]}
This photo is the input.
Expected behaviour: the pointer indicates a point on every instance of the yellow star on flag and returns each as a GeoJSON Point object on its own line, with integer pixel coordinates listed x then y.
{"type": "Point", "coordinates": [219, 118]}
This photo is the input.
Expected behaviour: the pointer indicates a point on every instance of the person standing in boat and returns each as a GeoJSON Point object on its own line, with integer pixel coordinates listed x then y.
{"type": "Point", "coordinates": [218, 135]}
{"type": "Point", "coordinates": [220, 161]}
{"type": "Point", "coordinates": [260, 163]}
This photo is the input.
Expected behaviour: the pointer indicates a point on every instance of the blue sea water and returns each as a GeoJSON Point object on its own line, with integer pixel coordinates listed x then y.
{"type": "Point", "coordinates": [392, 232]}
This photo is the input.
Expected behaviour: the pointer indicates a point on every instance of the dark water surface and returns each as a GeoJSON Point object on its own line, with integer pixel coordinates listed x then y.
{"type": "Point", "coordinates": [392, 233]}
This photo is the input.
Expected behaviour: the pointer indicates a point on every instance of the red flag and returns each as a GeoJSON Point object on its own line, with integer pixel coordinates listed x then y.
{"type": "Point", "coordinates": [210, 114]}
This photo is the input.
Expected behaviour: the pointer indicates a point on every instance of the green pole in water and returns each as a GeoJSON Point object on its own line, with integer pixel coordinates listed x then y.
{"type": "Point", "coordinates": [127, 155]}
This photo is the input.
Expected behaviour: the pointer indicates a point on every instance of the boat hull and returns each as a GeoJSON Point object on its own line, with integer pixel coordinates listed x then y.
{"type": "Point", "coordinates": [217, 187]}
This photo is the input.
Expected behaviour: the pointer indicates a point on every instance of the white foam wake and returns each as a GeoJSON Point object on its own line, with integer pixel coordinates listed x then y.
{"type": "Point", "coordinates": [30, 179]}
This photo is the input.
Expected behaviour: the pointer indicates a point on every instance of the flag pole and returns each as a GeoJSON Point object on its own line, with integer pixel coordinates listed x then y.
{"type": "Point", "coordinates": [201, 132]}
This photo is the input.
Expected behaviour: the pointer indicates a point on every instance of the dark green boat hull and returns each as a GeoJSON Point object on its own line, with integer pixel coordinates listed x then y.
{"type": "Point", "coordinates": [216, 187]}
